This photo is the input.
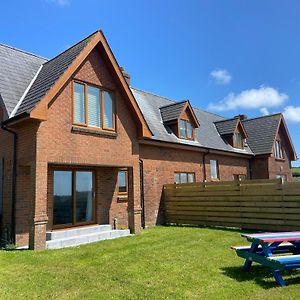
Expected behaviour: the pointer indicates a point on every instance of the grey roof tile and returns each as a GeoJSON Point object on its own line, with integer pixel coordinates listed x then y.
{"type": "Point", "coordinates": [261, 133]}
{"type": "Point", "coordinates": [17, 69]}
{"type": "Point", "coordinates": [49, 74]}
{"type": "Point", "coordinates": [226, 127]}
{"type": "Point", "coordinates": [171, 112]}
{"type": "Point", "coordinates": [206, 135]}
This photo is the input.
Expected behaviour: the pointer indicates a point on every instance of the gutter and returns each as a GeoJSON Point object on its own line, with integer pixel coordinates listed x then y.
{"type": "Point", "coordinates": [204, 165]}
{"type": "Point", "coordinates": [14, 183]}
{"type": "Point", "coordinates": [142, 193]}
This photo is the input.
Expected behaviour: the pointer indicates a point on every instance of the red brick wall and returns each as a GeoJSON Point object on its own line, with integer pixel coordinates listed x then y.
{"type": "Point", "coordinates": [58, 144]}
{"type": "Point", "coordinates": [280, 166]}
{"type": "Point", "coordinates": [160, 164]}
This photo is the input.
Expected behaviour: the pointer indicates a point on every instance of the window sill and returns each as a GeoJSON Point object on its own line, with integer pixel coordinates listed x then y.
{"type": "Point", "coordinates": [95, 132]}
{"type": "Point", "coordinates": [279, 159]}
{"type": "Point", "coordinates": [215, 179]}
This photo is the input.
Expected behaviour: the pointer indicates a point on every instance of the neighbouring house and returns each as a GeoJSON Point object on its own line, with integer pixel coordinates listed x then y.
{"type": "Point", "coordinates": [79, 146]}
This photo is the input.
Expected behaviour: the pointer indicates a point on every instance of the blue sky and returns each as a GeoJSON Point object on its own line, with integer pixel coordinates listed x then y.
{"type": "Point", "coordinates": [228, 57]}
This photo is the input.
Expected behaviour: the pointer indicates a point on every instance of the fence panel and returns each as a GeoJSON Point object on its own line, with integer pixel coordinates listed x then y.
{"type": "Point", "coordinates": [254, 204]}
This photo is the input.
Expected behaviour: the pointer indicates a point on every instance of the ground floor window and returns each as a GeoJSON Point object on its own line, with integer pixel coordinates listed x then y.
{"type": "Point", "coordinates": [239, 177]}
{"type": "Point", "coordinates": [214, 169]}
{"type": "Point", "coordinates": [73, 197]}
{"type": "Point", "coordinates": [123, 182]}
{"type": "Point", "coordinates": [182, 177]}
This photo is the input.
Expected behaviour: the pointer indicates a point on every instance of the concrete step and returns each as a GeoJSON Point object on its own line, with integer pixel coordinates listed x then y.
{"type": "Point", "coordinates": [86, 239]}
{"type": "Point", "coordinates": [78, 231]}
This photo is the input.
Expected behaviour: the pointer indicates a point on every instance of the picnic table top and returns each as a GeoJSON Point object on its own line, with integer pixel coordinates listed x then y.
{"type": "Point", "coordinates": [273, 236]}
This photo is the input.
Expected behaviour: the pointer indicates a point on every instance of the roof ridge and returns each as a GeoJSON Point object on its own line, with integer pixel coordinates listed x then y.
{"type": "Point", "coordinates": [175, 103]}
{"type": "Point", "coordinates": [71, 47]}
{"type": "Point", "coordinates": [225, 120]}
{"type": "Point", "coordinates": [261, 117]}
{"type": "Point", "coordinates": [23, 51]}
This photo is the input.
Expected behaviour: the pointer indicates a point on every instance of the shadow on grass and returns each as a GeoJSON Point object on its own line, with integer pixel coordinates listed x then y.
{"type": "Point", "coordinates": [219, 228]}
{"type": "Point", "coordinates": [261, 276]}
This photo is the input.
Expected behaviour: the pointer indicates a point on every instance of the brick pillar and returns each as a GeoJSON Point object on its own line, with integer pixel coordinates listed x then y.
{"type": "Point", "coordinates": [134, 200]}
{"type": "Point", "coordinates": [39, 218]}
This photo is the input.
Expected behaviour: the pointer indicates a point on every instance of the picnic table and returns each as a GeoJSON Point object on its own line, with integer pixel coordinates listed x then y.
{"type": "Point", "coordinates": [276, 250]}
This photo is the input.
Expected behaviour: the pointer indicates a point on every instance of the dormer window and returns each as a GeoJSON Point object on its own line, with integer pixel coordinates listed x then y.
{"type": "Point", "coordinates": [238, 141]}
{"type": "Point", "coordinates": [232, 131]}
{"type": "Point", "coordinates": [186, 130]}
{"type": "Point", "coordinates": [180, 118]}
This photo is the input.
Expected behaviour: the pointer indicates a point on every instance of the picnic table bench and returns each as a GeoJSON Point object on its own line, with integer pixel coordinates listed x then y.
{"type": "Point", "coordinates": [278, 251]}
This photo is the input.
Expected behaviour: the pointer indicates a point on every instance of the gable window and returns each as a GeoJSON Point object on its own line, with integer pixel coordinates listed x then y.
{"type": "Point", "coordinates": [123, 182]}
{"type": "Point", "coordinates": [238, 141]}
{"type": "Point", "coordinates": [214, 169]}
{"type": "Point", "coordinates": [278, 150]}
{"type": "Point", "coordinates": [182, 177]}
{"type": "Point", "coordinates": [93, 107]}
{"type": "Point", "coordinates": [185, 130]}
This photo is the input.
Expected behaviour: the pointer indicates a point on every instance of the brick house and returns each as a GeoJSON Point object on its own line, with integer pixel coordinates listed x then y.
{"type": "Point", "coordinates": [80, 147]}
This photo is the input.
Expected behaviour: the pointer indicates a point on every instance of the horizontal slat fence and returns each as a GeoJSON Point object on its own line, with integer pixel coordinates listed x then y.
{"type": "Point", "coordinates": [254, 204]}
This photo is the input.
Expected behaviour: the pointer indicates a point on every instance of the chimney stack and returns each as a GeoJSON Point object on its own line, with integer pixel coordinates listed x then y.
{"type": "Point", "coordinates": [125, 75]}
{"type": "Point", "coordinates": [242, 117]}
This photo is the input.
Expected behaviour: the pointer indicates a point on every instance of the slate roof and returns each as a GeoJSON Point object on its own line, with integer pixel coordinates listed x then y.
{"type": "Point", "coordinates": [206, 135]}
{"type": "Point", "coordinates": [226, 127]}
{"type": "Point", "coordinates": [261, 133]}
{"type": "Point", "coordinates": [171, 112]}
{"type": "Point", "coordinates": [49, 74]}
{"type": "Point", "coordinates": [17, 69]}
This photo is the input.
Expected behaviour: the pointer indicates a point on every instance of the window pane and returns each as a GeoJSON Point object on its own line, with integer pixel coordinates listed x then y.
{"type": "Point", "coordinates": [237, 140]}
{"type": "Point", "coordinates": [177, 178]}
{"type": "Point", "coordinates": [213, 169]}
{"type": "Point", "coordinates": [108, 110]}
{"type": "Point", "coordinates": [182, 128]}
{"type": "Point", "coordinates": [122, 181]}
{"type": "Point", "coordinates": [183, 178]}
{"type": "Point", "coordinates": [93, 106]}
{"type": "Point", "coordinates": [79, 108]}
{"type": "Point", "coordinates": [190, 178]}
{"type": "Point", "coordinates": [84, 196]}
{"type": "Point", "coordinates": [62, 210]}
{"type": "Point", "coordinates": [189, 130]}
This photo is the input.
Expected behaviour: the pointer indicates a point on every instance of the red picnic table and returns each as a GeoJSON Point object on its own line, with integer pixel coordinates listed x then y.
{"type": "Point", "coordinates": [276, 250]}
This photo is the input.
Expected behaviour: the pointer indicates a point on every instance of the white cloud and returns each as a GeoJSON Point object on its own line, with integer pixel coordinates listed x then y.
{"type": "Point", "coordinates": [263, 97]}
{"type": "Point", "coordinates": [60, 2]}
{"type": "Point", "coordinates": [221, 76]}
{"type": "Point", "coordinates": [292, 114]}
{"type": "Point", "coordinates": [264, 111]}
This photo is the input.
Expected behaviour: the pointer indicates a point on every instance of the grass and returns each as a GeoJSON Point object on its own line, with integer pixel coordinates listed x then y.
{"type": "Point", "coordinates": [161, 263]}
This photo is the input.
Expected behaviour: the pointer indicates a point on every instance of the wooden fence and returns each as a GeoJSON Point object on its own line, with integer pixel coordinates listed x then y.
{"type": "Point", "coordinates": [254, 204]}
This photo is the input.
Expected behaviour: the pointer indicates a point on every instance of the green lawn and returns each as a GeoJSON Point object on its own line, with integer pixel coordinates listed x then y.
{"type": "Point", "coordinates": [161, 263]}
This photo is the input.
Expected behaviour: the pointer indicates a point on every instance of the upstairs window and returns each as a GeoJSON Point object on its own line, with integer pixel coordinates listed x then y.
{"type": "Point", "coordinates": [214, 169]}
{"type": "Point", "coordinates": [93, 107]}
{"type": "Point", "coordinates": [278, 150]}
{"type": "Point", "coordinates": [238, 141]}
{"type": "Point", "coordinates": [185, 130]}
{"type": "Point", "coordinates": [181, 177]}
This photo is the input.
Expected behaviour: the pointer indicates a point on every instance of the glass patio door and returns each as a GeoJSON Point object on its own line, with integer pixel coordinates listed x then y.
{"type": "Point", "coordinates": [73, 198]}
